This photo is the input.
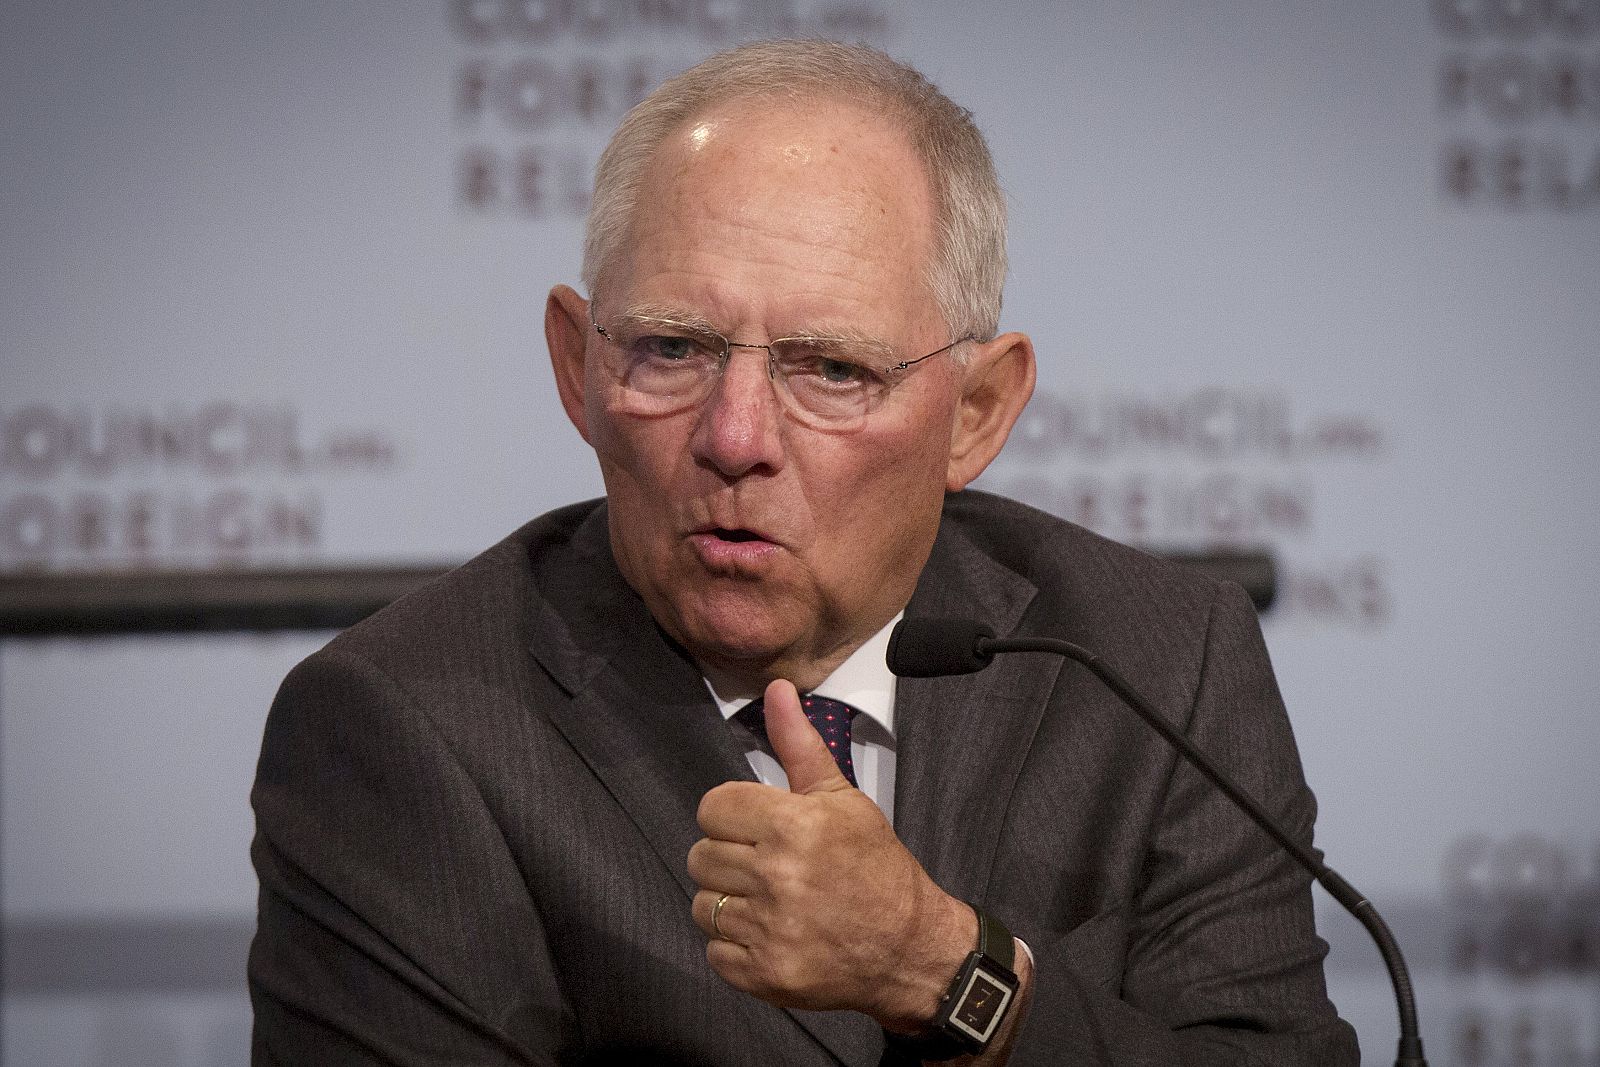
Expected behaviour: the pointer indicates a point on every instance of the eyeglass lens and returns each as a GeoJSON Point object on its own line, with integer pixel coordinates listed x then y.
{"type": "Point", "coordinates": [663, 367]}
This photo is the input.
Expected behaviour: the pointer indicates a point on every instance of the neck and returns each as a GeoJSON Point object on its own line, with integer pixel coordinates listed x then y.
{"type": "Point", "coordinates": [732, 679]}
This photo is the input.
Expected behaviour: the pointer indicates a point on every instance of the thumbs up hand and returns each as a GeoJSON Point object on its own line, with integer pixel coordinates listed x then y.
{"type": "Point", "coordinates": [821, 905]}
{"type": "Point", "coordinates": [804, 756]}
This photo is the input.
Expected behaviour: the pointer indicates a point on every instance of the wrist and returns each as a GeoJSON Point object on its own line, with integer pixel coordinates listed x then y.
{"type": "Point", "coordinates": [926, 966]}
{"type": "Point", "coordinates": [978, 1010]}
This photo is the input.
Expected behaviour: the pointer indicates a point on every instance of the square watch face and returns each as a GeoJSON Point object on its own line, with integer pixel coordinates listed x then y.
{"type": "Point", "coordinates": [981, 1005]}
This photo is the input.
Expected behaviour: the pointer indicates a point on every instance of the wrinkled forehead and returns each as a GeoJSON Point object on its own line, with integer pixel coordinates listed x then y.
{"type": "Point", "coordinates": [788, 193]}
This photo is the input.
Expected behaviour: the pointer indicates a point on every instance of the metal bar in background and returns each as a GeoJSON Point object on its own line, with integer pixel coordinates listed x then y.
{"type": "Point", "coordinates": [84, 604]}
{"type": "Point", "coordinates": [1257, 572]}
{"type": "Point", "coordinates": [77, 956]}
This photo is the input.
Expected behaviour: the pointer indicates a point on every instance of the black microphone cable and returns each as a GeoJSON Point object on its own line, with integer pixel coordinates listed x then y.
{"type": "Point", "coordinates": [927, 648]}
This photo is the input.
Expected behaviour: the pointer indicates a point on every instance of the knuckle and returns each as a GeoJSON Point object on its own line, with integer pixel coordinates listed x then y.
{"type": "Point", "coordinates": [794, 931]}
{"type": "Point", "coordinates": [699, 857]}
{"type": "Point", "coordinates": [781, 873]}
{"type": "Point", "coordinates": [721, 959]}
{"type": "Point", "coordinates": [709, 804]}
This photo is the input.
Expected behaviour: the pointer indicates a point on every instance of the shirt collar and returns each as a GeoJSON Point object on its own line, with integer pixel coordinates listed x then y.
{"type": "Point", "coordinates": [863, 681]}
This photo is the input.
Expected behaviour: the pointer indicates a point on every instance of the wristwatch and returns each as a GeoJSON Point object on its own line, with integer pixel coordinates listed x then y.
{"type": "Point", "coordinates": [972, 1009]}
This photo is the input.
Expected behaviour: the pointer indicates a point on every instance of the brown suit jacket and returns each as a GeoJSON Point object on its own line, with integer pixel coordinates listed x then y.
{"type": "Point", "coordinates": [474, 809]}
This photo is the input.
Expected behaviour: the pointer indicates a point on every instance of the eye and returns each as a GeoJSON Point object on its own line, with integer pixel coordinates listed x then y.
{"type": "Point", "coordinates": [823, 366]}
{"type": "Point", "coordinates": [669, 348]}
{"type": "Point", "coordinates": [840, 371]}
{"type": "Point", "coordinates": [663, 360]}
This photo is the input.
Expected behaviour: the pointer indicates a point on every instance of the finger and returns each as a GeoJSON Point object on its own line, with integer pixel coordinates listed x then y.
{"type": "Point", "coordinates": [738, 811]}
{"type": "Point", "coordinates": [799, 748]}
{"type": "Point", "coordinates": [723, 866]}
{"type": "Point", "coordinates": [733, 963]}
{"type": "Point", "coordinates": [743, 968]}
{"type": "Point", "coordinates": [718, 925]}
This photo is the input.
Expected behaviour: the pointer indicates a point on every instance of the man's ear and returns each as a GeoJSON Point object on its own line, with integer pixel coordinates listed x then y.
{"type": "Point", "coordinates": [999, 381]}
{"type": "Point", "coordinates": [566, 331]}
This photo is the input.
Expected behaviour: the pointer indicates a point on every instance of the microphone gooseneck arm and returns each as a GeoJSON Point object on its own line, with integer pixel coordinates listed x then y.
{"type": "Point", "coordinates": [927, 648]}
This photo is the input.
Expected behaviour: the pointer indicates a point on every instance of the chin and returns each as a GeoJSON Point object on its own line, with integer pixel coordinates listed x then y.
{"type": "Point", "coordinates": [735, 633]}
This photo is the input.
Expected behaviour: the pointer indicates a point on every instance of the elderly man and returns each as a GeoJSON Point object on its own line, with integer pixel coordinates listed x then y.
{"type": "Point", "coordinates": [635, 785]}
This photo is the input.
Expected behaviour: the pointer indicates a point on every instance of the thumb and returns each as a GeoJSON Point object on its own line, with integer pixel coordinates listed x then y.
{"type": "Point", "coordinates": [796, 743]}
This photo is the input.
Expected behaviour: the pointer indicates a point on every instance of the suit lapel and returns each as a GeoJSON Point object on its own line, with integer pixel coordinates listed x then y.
{"type": "Point", "coordinates": [961, 741]}
{"type": "Point", "coordinates": [640, 715]}
{"type": "Point", "coordinates": [642, 720]}
{"type": "Point", "coordinates": [658, 755]}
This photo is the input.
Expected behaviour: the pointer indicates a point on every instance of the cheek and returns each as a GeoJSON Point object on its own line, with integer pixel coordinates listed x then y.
{"type": "Point", "coordinates": [921, 450]}
{"type": "Point", "coordinates": [640, 512]}
{"type": "Point", "coordinates": [629, 447]}
{"type": "Point", "coordinates": [910, 492]}
{"type": "Point", "coordinates": [882, 503]}
{"type": "Point", "coordinates": [637, 460]}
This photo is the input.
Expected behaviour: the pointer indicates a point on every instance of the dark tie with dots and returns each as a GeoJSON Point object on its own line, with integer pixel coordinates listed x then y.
{"type": "Point", "coordinates": [830, 717]}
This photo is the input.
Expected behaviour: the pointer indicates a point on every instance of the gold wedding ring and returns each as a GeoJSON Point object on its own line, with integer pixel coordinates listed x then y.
{"type": "Point", "coordinates": [716, 916]}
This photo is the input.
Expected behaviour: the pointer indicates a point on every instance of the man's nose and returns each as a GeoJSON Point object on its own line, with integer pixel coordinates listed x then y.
{"type": "Point", "coordinates": [739, 431]}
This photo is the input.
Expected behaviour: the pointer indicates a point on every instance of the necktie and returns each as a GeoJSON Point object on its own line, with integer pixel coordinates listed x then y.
{"type": "Point", "coordinates": [831, 718]}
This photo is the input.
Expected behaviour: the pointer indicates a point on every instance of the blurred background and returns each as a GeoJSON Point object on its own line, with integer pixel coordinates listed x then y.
{"type": "Point", "coordinates": [1313, 280]}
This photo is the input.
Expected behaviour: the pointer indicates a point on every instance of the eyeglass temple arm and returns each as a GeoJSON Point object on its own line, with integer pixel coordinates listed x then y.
{"type": "Point", "coordinates": [903, 364]}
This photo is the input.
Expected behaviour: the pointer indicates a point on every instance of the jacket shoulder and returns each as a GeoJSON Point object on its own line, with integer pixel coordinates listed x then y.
{"type": "Point", "coordinates": [482, 607]}
{"type": "Point", "coordinates": [1063, 559]}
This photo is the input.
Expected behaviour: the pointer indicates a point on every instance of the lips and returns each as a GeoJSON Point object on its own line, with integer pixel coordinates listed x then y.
{"type": "Point", "coordinates": [737, 535]}
{"type": "Point", "coordinates": [733, 550]}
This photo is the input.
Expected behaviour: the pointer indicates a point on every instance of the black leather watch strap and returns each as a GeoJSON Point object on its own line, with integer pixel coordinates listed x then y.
{"type": "Point", "coordinates": [995, 941]}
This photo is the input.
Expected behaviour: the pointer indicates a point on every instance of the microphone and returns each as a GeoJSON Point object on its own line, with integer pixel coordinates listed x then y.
{"type": "Point", "coordinates": [929, 648]}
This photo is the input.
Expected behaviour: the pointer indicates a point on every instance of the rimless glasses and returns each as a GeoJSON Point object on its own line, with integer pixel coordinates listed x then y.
{"type": "Point", "coordinates": [662, 366]}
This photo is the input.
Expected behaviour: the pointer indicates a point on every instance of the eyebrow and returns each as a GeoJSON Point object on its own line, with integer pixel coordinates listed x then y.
{"type": "Point", "coordinates": [858, 340]}
{"type": "Point", "coordinates": [668, 314]}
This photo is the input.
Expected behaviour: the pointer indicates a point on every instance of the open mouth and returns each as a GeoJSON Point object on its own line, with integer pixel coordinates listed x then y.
{"type": "Point", "coordinates": [734, 551]}
{"type": "Point", "coordinates": [735, 536]}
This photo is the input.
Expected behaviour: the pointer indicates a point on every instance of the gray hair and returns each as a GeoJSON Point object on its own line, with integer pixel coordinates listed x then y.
{"type": "Point", "coordinates": [968, 267]}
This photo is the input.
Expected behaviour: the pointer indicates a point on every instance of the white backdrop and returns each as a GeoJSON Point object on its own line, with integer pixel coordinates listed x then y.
{"type": "Point", "coordinates": [1320, 280]}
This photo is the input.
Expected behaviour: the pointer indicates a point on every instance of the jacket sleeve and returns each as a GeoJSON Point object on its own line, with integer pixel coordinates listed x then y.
{"type": "Point", "coordinates": [377, 944]}
{"type": "Point", "coordinates": [1214, 958]}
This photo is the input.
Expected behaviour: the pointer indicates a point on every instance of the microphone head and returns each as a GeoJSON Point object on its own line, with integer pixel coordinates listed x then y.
{"type": "Point", "coordinates": [928, 648]}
